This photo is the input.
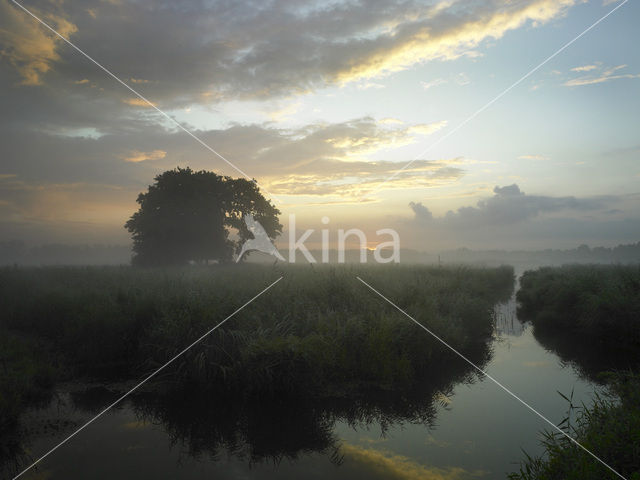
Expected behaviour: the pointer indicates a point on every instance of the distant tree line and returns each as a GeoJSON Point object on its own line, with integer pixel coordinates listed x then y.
{"type": "Point", "coordinates": [17, 252]}
{"type": "Point", "coordinates": [627, 253]}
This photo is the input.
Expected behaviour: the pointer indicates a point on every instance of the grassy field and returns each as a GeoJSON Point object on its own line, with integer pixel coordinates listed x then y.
{"type": "Point", "coordinates": [318, 332]}
{"type": "Point", "coordinates": [589, 315]}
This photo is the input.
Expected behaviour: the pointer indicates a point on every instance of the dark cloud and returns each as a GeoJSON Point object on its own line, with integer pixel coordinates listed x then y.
{"type": "Point", "coordinates": [325, 152]}
{"type": "Point", "coordinates": [508, 190]}
{"type": "Point", "coordinates": [422, 213]}
{"type": "Point", "coordinates": [180, 52]}
{"type": "Point", "coordinates": [509, 205]}
{"type": "Point", "coordinates": [54, 178]}
{"type": "Point", "coordinates": [512, 219]}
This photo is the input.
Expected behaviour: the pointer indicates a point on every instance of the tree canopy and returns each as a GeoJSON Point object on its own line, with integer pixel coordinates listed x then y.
{"type": "Point", "coordinates": [187, 216]}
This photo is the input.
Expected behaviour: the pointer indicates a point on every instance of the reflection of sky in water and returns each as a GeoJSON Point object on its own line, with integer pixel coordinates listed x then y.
{"type": "Point", "coordinates": [482, 428]}
{"type": "Point", "coordinates": [478, 433]}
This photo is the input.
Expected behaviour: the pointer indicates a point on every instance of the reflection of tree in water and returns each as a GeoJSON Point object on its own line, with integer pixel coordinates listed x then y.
{"type": "Point", "coordinates": [273, 428]}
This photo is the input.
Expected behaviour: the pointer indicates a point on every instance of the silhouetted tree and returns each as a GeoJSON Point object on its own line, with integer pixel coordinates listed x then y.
{"type": "Point", "coordinates": [187, 215]}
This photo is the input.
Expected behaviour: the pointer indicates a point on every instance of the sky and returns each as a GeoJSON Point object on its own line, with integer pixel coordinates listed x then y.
{"type": "Point", "coordinates": [326, 104]}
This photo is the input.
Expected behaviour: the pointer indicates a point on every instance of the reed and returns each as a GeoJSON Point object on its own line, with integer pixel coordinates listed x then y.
{"type": "Point", "coordinates": [596, 303]}
{"type": "Point", "coordinates": [610, 429]}
{"type": "Point", "coordinates": [317, 332]}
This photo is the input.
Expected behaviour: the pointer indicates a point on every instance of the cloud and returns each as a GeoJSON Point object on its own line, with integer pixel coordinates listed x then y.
{"type": "Point", "coordinates": [442, 33]}
{"type": "Point", "coordinates": [369, 85]}
{"type": "Point", "coordinates": [26, 46]}
{"type": "Point", "coordinates": [513, 220]}
{"type": "Point", "coordinates": [585, 68]}
{"type": "Point", "coordinates": [138, 102]}
{"type": "Point", "coordinates": [350, 182]}
{"type": "Point", "coordinates": [356, 138]}
{"type": "Point", "coordinates": [335, 160]}
{"type": "Point", "coordinates": [137, 156]}
{"type": "Point", "coordinates": [433, 83]}
{"type": "Point", "coordinates": [422, 213]}
{"type": "Point", "coordinates": [316, 163]}
{"type": "Point", "coordinates": [62, 210]}
{"type": "Point", "coordinates": [462, 79]}
{"type": "Point", "coordinates": [283, 112]}
{"type": "Point", "coordinates": [390, 121]}
{"type": "Point", "coordinates": [536, 156]}
{"type": "Point", "coordinates": [427, 129]}
{"type": "Point", "coordinates": [599, 75]}
{"type": "Point", "coordinates": [255, 50]}
{"type": "Point", "coordinates": [92, 189]}
{"type": "Point", "coordinates": [508, 206]}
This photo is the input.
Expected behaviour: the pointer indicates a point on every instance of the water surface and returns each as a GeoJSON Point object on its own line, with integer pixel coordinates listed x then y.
{"type": "Point", "coordinates": [462, 426]}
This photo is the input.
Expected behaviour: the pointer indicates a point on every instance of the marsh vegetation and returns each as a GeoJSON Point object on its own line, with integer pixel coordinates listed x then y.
{"type": "Point", "coordinates": [320, 337]}
{"type": "Point", "coordinates": [589, 315]}
{"type": "Point", "coordinates": [317, 354]}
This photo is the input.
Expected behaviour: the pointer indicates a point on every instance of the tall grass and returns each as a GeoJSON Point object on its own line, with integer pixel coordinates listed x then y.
{"type": "Point", "coordinates": [597, 303]}
{"type": "Point", "coordinates": [317, 332]}
{"type": "Point", "coordinates": [25, 376]}
{"type": "Point", "coordinates": [610, 429]}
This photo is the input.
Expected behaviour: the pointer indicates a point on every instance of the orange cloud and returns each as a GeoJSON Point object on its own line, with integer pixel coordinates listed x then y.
{"type": "Point", "coordinates": [427, 43]}
{"type": "Point", "coordinates": [600, 76]}
{"type": "Point", "coordinates": [138, 102]}
{"type": "Point", "coordinates": [27, 45]}
{"type": "Point", "coordinates": [137, 156]}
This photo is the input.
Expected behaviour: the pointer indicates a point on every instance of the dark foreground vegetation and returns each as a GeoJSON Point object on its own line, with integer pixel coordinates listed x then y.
{"type": "Point", "coordinates": [318, 336]}
{"type": "Point", "coordinates": [590, 317]}
{"type": "Point", "coordinates": [597, 304]}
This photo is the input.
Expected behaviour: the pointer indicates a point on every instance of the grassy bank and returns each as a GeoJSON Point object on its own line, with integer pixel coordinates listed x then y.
{"type": "Point", "coordinates": [317, 332]}
{"type": "Point", "coordinates": [610, 429]}
{"type": "Point", "coordinates": [590, 316]}
{"type": "Point", "coordinates": [599, 304]}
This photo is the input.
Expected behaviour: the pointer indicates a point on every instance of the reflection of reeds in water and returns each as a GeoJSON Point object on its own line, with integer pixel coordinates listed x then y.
{"type": "Point", "coordinates": [506, 321]}
{"type": "Point", "coordinates": [259, 429]}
